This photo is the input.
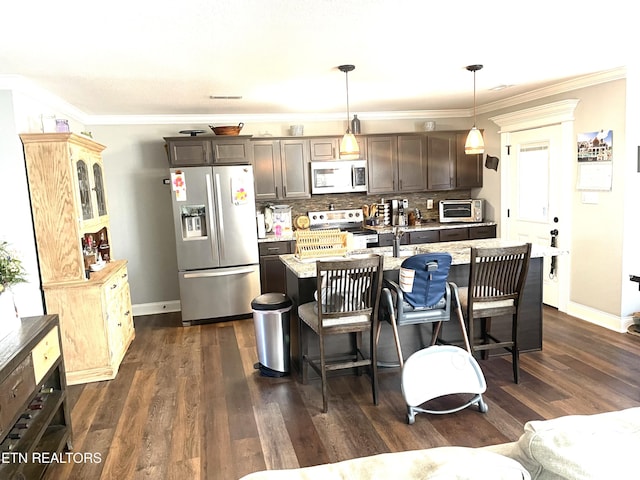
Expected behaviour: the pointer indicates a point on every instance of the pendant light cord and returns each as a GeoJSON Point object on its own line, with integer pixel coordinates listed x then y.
{"type": "Point", "coordinates": [474, 98]}
{"type": "Point", "coordinates": [348, 115]}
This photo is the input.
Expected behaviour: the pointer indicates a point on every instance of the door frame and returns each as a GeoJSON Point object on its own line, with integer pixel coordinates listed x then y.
{"type": "Point", "coordinates": [558, 113]}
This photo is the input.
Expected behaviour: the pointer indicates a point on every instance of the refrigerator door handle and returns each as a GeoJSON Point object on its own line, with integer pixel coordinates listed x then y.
{"type": "Point", "coordinates": [224, 273]}
{"type": "Point", "coordinates": [212, 237]}
{"type": "Point", "coordinates": [220, 219]}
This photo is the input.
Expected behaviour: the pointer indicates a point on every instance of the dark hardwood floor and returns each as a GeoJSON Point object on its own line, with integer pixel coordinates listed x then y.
{"type": "Point", "coordinates": [187, 403]}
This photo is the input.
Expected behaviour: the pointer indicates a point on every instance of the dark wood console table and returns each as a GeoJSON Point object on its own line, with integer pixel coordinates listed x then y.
{"type": "Point", "coordinates": [35, 424]}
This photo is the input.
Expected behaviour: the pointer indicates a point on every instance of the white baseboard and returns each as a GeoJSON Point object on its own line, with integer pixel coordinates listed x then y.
{"type": "Point", "coordinates": [156, 307]}
{"type": "Point", "coordinates": [591, 315]}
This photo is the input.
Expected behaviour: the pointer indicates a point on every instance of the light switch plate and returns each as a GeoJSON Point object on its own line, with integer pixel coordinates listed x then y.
{"type": "Point", "coordinates": [429, 203]}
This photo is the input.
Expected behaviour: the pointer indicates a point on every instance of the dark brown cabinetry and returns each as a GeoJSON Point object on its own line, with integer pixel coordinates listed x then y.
{"type": "Point", "coordinates": [424, 236]}
{"type": "Point", "coordinates": [266, 169]}
{"type": "Point", "coordinates": [396, 163]}
{"type": "Point", "coordinates": [328, 148]}
{"type": "Point", "coordinates": [324, 148]}
{"type": "Point", "coordinates": [441, 156]}
{"type": "Point", "coordinates": [454, 234]}
{"type": "Point", "coordinates": [382, 163]}
{"type": "Point", "coordinates": [34, 411]}
{"type": "Point", "coordinates": [468, 168]}
{"type": "Point", "coordinates": [448, 167]}
{"type": "Point", "coordinates": [467, 233]}
{"type": "Point", "coordinates": [207, 150]}
{"type": "Point", "coordinates": [295, 168]}
{"type": "Point", "coordinates": [272, 270]}
{"type": "Point", "coordinates": [281, 169]}
{"type": "Point", "coordinates": [440, 235]}
{"type": "Point", "coordinates": [412, 159]}
{"type": "Point", "coordinates": [484, 231]}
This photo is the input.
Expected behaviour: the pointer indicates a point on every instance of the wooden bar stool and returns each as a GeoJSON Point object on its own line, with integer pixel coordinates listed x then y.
{"type": "Point", "coordinates": [496, 282]}
{"type": "Point", "coordinates": [347, 294]}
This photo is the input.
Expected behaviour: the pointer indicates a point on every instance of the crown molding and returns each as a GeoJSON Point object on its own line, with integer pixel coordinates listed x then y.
{"type": "Point", "coordinates": [555, 89]}
{"type": "Point", "coordinates": [28, 88]}
{"type": "Point", "coordinates": [550, 114]}
{"type": "Point", "coordinates": [270, 117]}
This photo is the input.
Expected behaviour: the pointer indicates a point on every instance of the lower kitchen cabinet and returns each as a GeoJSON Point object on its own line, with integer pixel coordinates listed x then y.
{"type": "Point", "coordinates": [423, 236]}
{"type": "Point", "coordinates": [35, 423]}
{"type": "Point", "coordinates": [96, 322]}
{"type": "Point", "coordinates": [484, 231]}
{"type": "Point", "coordinates": [454, 234]}
{"type": "Point", "coordinates": [272, 270]}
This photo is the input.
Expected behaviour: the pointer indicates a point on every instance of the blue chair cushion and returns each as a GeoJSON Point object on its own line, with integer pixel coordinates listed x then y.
{"type": "Point", "coordinates": [432, 270]}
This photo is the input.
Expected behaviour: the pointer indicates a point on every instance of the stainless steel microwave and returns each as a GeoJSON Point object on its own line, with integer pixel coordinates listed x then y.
{"type": "Point", "coordinates": [461, 211]}
{"type": "Point", "coordinates": [340, 176]}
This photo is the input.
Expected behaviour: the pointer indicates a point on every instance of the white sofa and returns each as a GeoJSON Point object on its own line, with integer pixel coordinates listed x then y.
{"type": "Point", "coordinates": [575, 447]}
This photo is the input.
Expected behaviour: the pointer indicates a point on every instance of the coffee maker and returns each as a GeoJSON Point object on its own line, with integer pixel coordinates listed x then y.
{"type": "Point", "coordinates": [399, 210]}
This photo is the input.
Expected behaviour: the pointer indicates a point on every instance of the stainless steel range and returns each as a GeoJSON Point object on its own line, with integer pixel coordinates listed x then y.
{"type": "Point", "coordinates": [350, 220]}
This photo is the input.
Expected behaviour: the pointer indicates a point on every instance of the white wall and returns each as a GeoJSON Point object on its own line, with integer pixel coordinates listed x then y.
{"type": "Point", "coordinates": [16, 226]}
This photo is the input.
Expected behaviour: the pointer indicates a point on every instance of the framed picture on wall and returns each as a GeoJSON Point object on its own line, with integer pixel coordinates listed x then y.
{"type": "Point", "coordinates": [595, 156]}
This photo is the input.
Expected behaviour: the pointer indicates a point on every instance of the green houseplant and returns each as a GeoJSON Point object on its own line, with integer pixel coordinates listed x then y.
{"type": "Point", "coordinates": [11, 270]}
{"type": "Point", "coordinates": [11, 273]}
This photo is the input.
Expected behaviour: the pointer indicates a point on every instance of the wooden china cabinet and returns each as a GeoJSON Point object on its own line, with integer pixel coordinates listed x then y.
{"type": "Point", "coordinates": [68, 203]}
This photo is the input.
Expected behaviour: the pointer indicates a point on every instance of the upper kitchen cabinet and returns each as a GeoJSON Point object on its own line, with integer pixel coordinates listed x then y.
{"type": "Point", "coordinates": [448, 167]}
{"type": "Point", "coordinates": [68, 198]}
{"type": "Point", "coordinates": [208, 150]}
{"type": "Point", "coordinates": [295, 168]}
{"type": "Point", "coordinates": [328, 148]}
{"type": "Point", "coordinates": [396, 163]}
{"type": "Point", "coordinates": [412, 159]}
{"type": "Point", "coordinates": [441, 157]}
{"type": "Point", "coordinates": [325, 148]}
{"type": "Point", "coordinates": [468, 167]}
{"type": "Point", "coordinates": [382, 163]}
{"type": "Point", "coordinates": [281, 169]}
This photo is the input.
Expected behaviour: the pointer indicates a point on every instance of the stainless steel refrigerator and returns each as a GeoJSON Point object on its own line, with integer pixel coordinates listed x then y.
{"type": "Point", "coordinates": [216, 241]}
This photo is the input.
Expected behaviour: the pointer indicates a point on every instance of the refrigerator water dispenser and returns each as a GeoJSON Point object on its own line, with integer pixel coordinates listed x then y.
{"type": "Point", "coordinates": [193, 222]}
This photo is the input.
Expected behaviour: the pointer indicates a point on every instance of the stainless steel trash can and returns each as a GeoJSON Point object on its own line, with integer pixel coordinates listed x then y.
{"type": "Point", "coordinates": [271, 318]}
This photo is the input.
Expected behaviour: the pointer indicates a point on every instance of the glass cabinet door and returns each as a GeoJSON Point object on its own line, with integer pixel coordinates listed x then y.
{"type": "Point", "coordinates": [99, 188]}
{"type": "Point", "coordinates": [84, 185]}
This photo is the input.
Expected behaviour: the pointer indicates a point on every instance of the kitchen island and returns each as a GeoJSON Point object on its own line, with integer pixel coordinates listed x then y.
{"type": "Point", "coordinates": [300, 286]}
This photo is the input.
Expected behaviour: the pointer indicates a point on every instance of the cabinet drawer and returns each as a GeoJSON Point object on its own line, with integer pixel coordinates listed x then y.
{"type": "Point", "coordinates": [425, 236]}
{"type": "Point", "coordinates": [454, 234]}
{"type": "Point", "coordinates": [14, 392]}
{"type": "Point", "coordinates": [45, 354]}
{"type": "Point", "coordinates": [275, 248]}
{"type": "Point", "coordinates": [116, 281]}
{"type": "Point", "coordinates": [488, 231]}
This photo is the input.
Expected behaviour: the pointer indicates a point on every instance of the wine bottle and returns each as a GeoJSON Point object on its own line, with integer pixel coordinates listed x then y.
{"type": "Point", "coordinates": [355, 125]}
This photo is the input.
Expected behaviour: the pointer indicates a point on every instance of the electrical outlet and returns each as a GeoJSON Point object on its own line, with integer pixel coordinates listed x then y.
{"type": "Point", "coordinates": [429, 203]}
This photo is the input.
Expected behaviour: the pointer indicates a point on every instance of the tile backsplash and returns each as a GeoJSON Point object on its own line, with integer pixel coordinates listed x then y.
{"type": "Point", "coordinates": [357, 200]}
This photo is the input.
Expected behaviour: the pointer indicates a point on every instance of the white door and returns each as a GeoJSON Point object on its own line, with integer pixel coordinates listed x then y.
{"type": "Point", "coordinates": [535, 159]}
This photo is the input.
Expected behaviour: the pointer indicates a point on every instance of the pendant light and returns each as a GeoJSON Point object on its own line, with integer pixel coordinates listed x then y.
{"type": "Point", "coordinates": [349, 144]}
{"type": "Point", "coordinates": [475, 142]}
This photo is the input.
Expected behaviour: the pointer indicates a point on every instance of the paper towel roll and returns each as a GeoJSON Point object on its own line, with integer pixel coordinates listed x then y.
{"type": "Point", "coordinates": [261, 228]}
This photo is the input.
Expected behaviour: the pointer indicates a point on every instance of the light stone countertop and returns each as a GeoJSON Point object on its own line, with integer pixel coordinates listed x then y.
{"type": "Point", "coordinates": [271, 237]}
{"type": "Point", "coordinates": [459, 254]}
{"type": "Point", "coordinates": [429, 226]}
